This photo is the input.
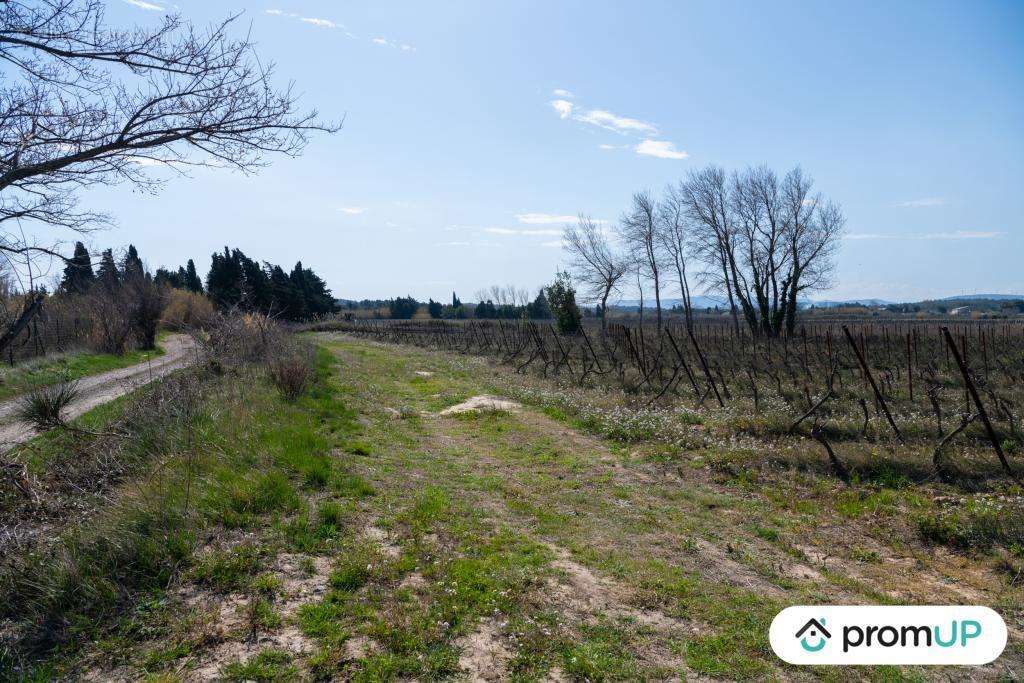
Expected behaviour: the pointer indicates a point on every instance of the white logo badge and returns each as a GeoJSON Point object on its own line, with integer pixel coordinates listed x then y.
{"type": "Point", "coordinates": [888, 635]}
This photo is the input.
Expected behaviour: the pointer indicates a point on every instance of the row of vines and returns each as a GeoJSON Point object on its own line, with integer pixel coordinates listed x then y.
{"type": "Point", "coordinates": [905, 381]}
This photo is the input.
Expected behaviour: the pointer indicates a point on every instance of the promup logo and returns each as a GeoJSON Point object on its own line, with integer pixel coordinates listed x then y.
{"type": "Point", "coordinates": [888, 635]}
{"type": "Point", "coordinates": [815, 632]}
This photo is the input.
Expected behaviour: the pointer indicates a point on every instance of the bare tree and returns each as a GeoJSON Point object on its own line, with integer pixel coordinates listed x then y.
{"type": "Point", "coordinates": [673, 235]}
{"type": "Point", "coordinates": [705, 194]}
{"type": "Point", "coordinates": [762, 282]}
{"type": "Point", "coordinates": [770, 240]}
{"type": "Point", "coordinates": [814, 229]}
{"type": "Point", "coordinates": [83, 104]}
{"type": "Point", "coordinates": [595, 263]}
{"type": "Point", "coordinates": [638, 231]}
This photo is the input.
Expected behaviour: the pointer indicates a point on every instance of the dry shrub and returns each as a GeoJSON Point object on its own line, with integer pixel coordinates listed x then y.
{"type": "Point", "coordinates": [232, 339]}
{"type": "Point", "coordinates": [145, 300]}
{"type": "Point", "coordinates": [292, 371]}
{"type": "Point", "coordinates": [110, 320]}
{"type": "Point", "coordinates": [187, 311]}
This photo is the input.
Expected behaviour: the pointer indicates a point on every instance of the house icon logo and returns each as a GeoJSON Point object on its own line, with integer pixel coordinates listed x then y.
{"type": "Point", "coordinates": [813, 635]}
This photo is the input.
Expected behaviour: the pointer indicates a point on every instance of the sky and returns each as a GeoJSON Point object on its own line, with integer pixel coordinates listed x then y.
{"type": "Point", "coordinates": [473, 131]}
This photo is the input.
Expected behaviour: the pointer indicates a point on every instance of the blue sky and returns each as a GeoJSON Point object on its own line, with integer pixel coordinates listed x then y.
{"type": "Point", "coordinates": [471, 128]}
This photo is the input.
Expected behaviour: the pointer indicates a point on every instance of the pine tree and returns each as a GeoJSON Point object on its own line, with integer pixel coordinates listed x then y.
{"type": "Point", "coordinates": [562, 298]}
{"type": "Point", "coordinates": [132, 266]}
{"type": "Point", "coordinates": [107, 275]}
{"type": "Point", "coordinates": [540, 309]}
{"type": "Point", "coordinates": [78, 275]}
{"type": "Point", "coordinates": [435, 308]}
{"type": "Point", "coordinates": [287, 300]}
{"type": "Point", "coordinates": [191, 281]}
{"type": "Point", "coordinates": [403, 308]}
{"type": "Point", "coordinates": [168, 278]}
{"type": "Point", "coordinates": [224, 281]}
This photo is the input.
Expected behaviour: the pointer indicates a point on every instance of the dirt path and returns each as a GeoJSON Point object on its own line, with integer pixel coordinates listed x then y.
{"type": "Point", "coordinates": [96, 390]}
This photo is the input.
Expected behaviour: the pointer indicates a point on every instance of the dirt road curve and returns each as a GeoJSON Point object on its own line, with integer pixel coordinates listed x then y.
{"type": "Point", "coordinates": [99, 389]}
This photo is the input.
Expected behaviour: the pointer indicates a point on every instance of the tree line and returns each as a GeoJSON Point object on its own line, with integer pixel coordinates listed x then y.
{"type": "Point", "coordinates": [554, 301]}
{"type": "Point", "coordinates": [234, 281]}
{"type": "Point", "coordinates": [84, 103]}
{"type": "Point", "coordinates": [759, 240]}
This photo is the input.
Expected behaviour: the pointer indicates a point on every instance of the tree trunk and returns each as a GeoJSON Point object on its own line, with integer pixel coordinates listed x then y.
{"type": "Point", "coordinates": [33, 302]}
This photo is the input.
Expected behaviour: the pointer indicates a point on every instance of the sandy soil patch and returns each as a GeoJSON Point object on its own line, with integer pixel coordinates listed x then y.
{"type": "Point", "coordinates": [484, 654]}
{"type": "Point", "coordinates": [482, 403]}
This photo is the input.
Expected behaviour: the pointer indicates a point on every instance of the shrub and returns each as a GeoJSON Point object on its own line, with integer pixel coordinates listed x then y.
{"type": "Point", "coordinates": [232, 339]}
{"type": "Point", "coordinates": [42, 408]}
{"type": "Point", "coordinates": [561, 296]}
{"type": "Point", "coordinates": [110, 324]}
{"type": "Point", "coordinates": [293, 372]}
{"type": "Point", "coordinates": [187, 311]}
{"type": "Point", "coordinates": [145, 300]}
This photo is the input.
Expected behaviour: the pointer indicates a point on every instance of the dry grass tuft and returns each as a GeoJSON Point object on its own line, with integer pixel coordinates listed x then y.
{"type": "Point", "coordinates": [42, 408]}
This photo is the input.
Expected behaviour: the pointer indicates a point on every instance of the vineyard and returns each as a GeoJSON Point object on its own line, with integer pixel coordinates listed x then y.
{"type": "Point", "coordinates": [908, 383]}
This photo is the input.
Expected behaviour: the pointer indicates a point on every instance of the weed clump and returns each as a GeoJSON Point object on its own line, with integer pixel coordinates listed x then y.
{"type": "Point", "coordinates": [43, 407]}
{"type": "Point", "coordinates": [293, 372]}
{"type": "Point", "coordinates": [978, 525]}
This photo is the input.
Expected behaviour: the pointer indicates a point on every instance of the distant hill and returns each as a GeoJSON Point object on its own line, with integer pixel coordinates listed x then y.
{"type": "Point", "coordinates": [848, 302]}
{"type": "Point", "coordinates": [699, 301]}
{"type": "Point", "coordinates": [702, 301]}
{"type": "Point", "coordinates": [984, 297]}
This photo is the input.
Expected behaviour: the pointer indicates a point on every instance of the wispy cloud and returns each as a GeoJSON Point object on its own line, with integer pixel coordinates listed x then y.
{"type": "Point", "coordinates": [563, 107]}
{"type": "Point", "coordinates": [353, 210]}
{"type": "Point", "coordinates": [453, 244]}
{"type": "Point", "coordinates": [955, 235]}
{"type": "Point", "coordinates": [316, 21]}
{"type": "Point", "coordinates": [556, 244]}
{"type": "Point", "coordinates": [918, 203]}
{"type": "Point", "coordinates": [328, 24]}
{"type": "Point", "coordinates": [141, 4]}
{"type": "Point", "coordinates": [515, 231]}
{"type": "Point", "coordinates": [613, 122]}
{"type": "Point", "coordinates": [559, 92]}
{"type": "Point", "coordinates": [623, 125]}
{"type": "Point", "coordinates": [600, 117]}
{"type": "Point", "coordinates": [543, 218]}
{"type": "Point", "coordinates": [662, 149]}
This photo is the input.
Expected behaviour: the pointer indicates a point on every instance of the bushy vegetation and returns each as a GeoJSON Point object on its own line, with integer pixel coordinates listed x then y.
{"type": "Point", "coordinates": [236, 282]}
{"type": "Point", "coordinates": [206, 470]}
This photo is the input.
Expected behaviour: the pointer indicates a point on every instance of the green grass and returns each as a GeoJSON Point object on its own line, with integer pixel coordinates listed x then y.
{"type": "Point", "coordinates": [225, 571]}
{"type": "Point", "coordinates": [268, 666]}
{"type": "Point", "coordinates": [243, 474]}
{"type": "Point", "coordinates": [424, 530]}
{"type": "Point", "coordinates": [32, 374]}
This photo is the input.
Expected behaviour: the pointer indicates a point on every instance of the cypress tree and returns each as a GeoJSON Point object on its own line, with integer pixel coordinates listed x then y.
{"type": "Point", "coordinates": [78, 274]}
{"type": "Point", "coordinates": [540, 309]}
{"type": "Point", "coordinates": [132, 266]}
{"type": "Point", "coordinates": [191, 281]}
{"type": "Point", "coordinates": [107, 274]}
